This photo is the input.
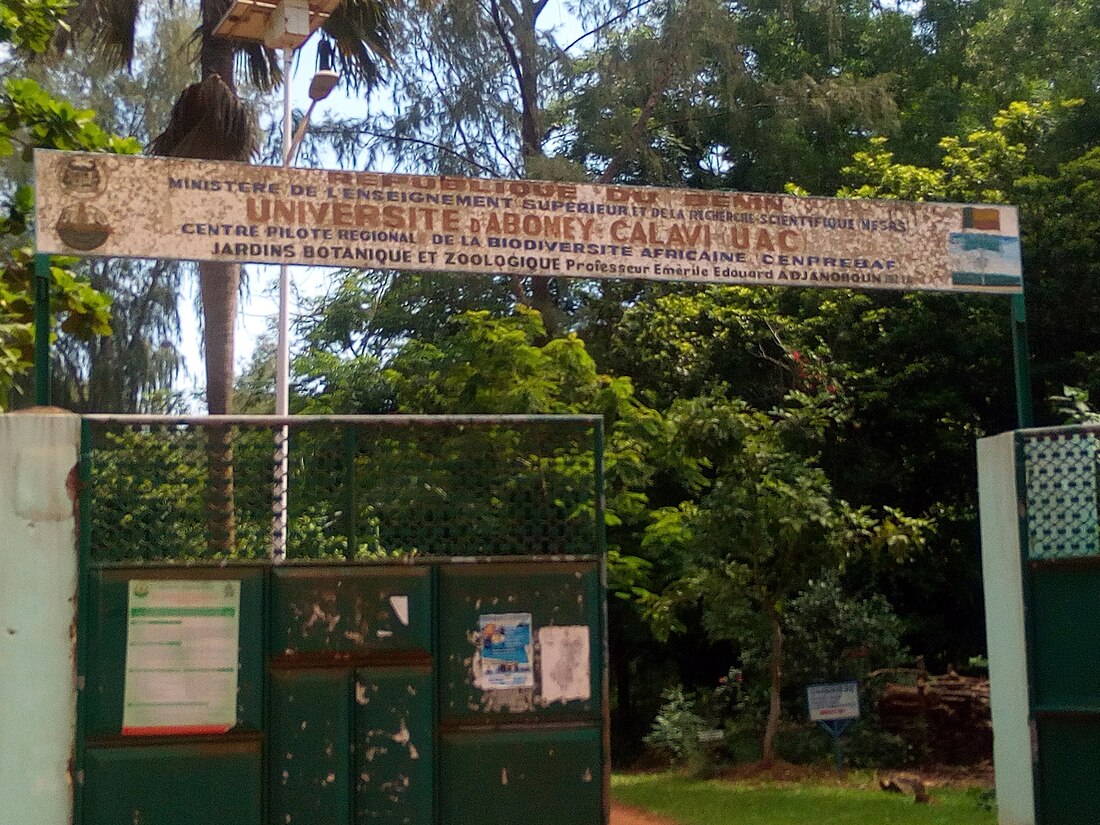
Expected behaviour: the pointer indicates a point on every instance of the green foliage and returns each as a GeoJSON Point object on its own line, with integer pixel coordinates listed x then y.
{"type": "Point", "coordinates": [833, 637]}
{"type": "Point", "coordinates": [677, 730]}
{"type": "Point", "coordinates": [151, 490]}
{"type": "Point", "coordinates": [154, 484]}
{"type": "Point", "coordinates": [31, 118]}
{"type": "Point", "coordinates": [763, 521]}
{"type": "Point", "coordinates": [498, 365]}
{"type": "Point", "coordinates": [1075, 406]}
{"type": "Point", "coordinates": [986, 166]}
{"type": "Point", "coordinates": [134, 369]}
{"type": "Point", "coordinates": [29, 24]}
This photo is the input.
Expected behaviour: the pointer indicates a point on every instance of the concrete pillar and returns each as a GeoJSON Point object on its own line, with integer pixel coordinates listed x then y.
{"type": "Point", "coordinates": [1005, 627]}
{"type": "Point", "coordinates": [39, 450]}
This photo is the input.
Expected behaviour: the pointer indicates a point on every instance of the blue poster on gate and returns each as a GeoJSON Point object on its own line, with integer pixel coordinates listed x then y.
{"type": "Point", "coordinates": [504, 651]}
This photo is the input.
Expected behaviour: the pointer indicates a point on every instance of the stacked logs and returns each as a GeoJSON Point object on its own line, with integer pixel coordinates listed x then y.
{"type": "Point", "coordinates": [945, 718]}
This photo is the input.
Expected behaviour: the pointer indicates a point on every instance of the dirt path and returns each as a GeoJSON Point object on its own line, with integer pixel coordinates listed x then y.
{"type": "Point", "coordinates": [627, 815]}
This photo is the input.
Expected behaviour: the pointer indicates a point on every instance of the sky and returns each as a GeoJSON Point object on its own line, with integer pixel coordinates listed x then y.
{"type": "Point", "coordinates": [259, 304]}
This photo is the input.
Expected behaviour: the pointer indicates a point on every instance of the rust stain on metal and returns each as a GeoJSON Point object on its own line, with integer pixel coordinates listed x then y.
{"type": "Point", "coordinates": [402, 735]}
{"type": "Point", "coordinates": [509, 700]}
{"type": "Point", "coordinates": [72, 489]}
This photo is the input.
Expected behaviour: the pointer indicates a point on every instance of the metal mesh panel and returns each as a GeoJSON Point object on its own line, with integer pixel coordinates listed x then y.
{"type": "Point", "coordinates": [1060, 476]}
{"type": "Point", "coordinates": [366, 489]}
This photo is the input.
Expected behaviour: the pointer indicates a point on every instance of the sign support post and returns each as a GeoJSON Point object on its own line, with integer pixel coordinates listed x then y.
{"type": "Point", "coordinates": [42, 330]}
{"type": "Point", "coordinates": [1021, 359]}
{"type": "Point", "coordinates": [836, 728]}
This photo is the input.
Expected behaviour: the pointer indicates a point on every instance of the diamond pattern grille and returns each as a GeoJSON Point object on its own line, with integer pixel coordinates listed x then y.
{"type": "Point", "coordinates": [1061, 487]}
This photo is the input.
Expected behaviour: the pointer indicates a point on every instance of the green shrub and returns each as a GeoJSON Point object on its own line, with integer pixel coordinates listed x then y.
{"type": "Point", "coordinates": [684, 735]}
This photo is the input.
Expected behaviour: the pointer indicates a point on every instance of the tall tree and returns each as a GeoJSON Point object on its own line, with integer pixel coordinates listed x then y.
{"type": "Point", "coordinates": [485, 89]}
{"type": "Point", "coordinates": [762, 522]}
{"type": "Point", "coordinates": [211, 122]}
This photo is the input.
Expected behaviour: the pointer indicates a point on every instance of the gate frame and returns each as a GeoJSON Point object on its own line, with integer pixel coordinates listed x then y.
{"type": "Point", "coordinates": [86, 566]}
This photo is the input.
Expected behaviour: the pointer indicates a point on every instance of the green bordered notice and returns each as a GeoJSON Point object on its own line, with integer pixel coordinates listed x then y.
{"type": "Point", "coordinates": [182, 650]}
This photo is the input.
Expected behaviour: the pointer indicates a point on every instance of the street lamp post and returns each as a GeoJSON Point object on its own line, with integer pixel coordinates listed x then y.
{"type": "Point", "coordinates": [324, 81]}
{"type": "Point", "coordinates": [286, 25]}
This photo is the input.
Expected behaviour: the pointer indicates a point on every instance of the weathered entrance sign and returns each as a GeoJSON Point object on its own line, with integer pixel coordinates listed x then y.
{"type": "Point", "coordinates": [124, 206]}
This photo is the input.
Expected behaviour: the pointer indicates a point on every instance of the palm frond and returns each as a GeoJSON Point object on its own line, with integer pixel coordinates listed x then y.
{"type": "Point", "coordinates": [359, 37]}
{"type": "Point", "coordinates": [261, 64]}
{"type": "Point", "coordinates": [208, 122]}
{"type": "Point", "coordinates": [107, 26]}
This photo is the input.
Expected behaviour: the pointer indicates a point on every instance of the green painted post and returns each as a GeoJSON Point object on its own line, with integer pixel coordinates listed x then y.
{"type": "Point", "coordinates": [1021, 359]}
{"type": "Point", "coordinates": [351, 450]}
{"type": "Point", "coordinates": [83, 601]}
{"type": "Point", "coordinates": [42, 330]}
{"type": "Point", "coordinates": [605, 680]}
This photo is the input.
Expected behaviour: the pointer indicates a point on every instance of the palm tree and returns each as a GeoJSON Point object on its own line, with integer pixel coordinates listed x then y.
{"type": "Point", "coordinates": [211, 122]}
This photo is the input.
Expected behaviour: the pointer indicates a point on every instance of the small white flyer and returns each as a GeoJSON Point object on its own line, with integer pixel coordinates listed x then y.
{"type": "Point", "coordinates": [564, 658]}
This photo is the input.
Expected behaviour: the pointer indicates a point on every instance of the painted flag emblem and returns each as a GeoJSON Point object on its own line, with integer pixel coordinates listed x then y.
{"type": "Point", "coordinates": [981, 218]}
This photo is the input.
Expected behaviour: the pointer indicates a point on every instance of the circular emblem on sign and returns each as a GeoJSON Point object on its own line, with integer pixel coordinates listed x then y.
{"type": "Point", "coordinates": [82, 227]}
{"type": "Point", "coordinates": [83, 177]}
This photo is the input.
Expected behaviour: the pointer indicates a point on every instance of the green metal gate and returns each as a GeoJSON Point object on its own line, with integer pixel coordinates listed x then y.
{"type": "Point", "coordinates": [434, 651]}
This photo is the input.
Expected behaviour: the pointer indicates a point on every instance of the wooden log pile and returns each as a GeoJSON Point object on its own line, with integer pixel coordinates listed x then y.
{"type": "Point", "coordinates": [944, 718]}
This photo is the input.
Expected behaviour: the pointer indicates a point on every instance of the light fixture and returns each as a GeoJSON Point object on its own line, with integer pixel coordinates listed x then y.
{"type": "Point", "coordinates": [322, 84]}
{"type": "Point", "coordinates": [285, 24]}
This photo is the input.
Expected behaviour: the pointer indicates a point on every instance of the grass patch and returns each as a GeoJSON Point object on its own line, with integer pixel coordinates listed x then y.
{"type": "Point", "coordinates": [719, 802]}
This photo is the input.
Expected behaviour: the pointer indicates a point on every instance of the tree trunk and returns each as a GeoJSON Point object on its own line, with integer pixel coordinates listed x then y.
{"type": "Point", "coordinates": [542, 298]}
{"type": "Point", "coordinates": [215, 53]}
{"type": "Point", "coordinates": [218, 286]}
{"type": "Point", "coordinates": [515, 22]}
{"type": "Point", "coordinates": [775, 668]}
{"type": "Point", "coordinates": [528, 80]}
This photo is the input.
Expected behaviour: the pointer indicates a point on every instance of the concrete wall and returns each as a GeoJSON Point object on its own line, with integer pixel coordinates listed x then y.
{"type": "Point", "coordinates": [39, 450]}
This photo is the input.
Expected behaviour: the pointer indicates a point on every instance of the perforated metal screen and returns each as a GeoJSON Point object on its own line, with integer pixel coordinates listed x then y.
{"type": "Point", "coordinates": [1060, 475]}
{"type": "Point", "coordinates": [363, 487]}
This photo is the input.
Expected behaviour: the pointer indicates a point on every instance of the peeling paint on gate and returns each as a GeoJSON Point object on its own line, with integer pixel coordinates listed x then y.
{"type": "Point", "coordinates": [356, 610]}
{"type": "Point", "coordinates": [394, 746]}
